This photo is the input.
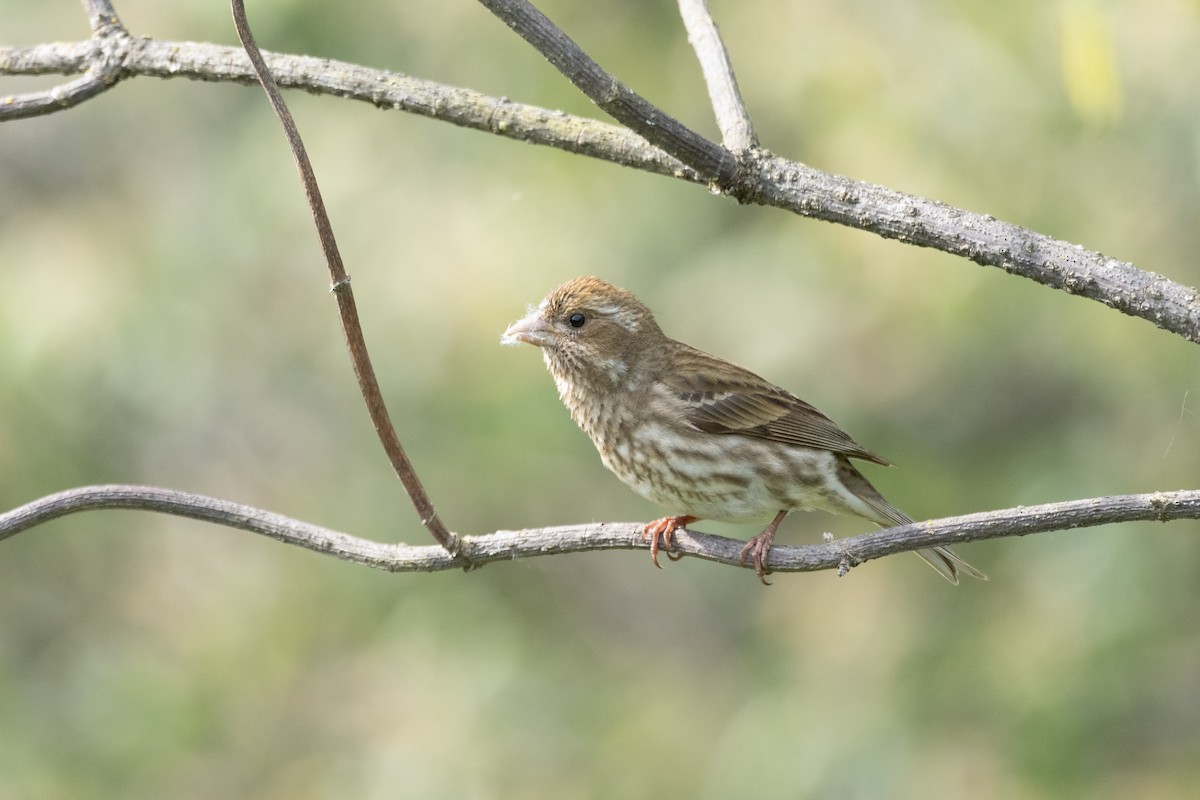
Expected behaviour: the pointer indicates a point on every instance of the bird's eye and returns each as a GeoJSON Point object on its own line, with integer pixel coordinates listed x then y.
{"type": "Point", "coordinates": [577, 320]}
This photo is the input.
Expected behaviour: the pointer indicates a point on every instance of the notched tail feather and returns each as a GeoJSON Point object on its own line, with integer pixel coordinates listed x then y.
{"type": "Point", "coordinates": [949, 564]}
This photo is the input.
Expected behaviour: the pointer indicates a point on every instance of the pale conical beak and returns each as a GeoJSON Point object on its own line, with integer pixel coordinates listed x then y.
{"type": "Point", "coordinates": [531, 330]}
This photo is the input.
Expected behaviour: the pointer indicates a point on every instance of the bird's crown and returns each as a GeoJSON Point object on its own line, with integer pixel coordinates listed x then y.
{"type": "Point", "coordinates": [595, 297]}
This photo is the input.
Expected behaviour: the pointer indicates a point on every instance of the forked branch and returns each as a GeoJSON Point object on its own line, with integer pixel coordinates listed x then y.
{"type": "Point", "coordinates": [113, 55]}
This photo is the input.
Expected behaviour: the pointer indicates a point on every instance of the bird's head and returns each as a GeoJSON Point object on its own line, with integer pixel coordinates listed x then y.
{"type": "Point", "coordinates": [588, 330]}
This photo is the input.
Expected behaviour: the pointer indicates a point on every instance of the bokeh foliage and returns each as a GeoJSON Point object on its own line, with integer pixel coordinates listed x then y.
{"type": "Point", "coordinates": [165, 319]}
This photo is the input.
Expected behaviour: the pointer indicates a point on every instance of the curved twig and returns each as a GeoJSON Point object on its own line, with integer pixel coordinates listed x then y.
{"type": "Point", "coordinates": [512, 545]}
{"type": "Point", "coordinates": [360, 358]}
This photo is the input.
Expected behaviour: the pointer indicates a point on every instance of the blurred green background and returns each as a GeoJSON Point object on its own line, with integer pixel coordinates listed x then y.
{"type": "Point", "coordinates": [165, 319]}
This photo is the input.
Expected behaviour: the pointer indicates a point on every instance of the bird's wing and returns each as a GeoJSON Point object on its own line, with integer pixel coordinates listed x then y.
{"type": "Point", "coordinates": [722, 398]}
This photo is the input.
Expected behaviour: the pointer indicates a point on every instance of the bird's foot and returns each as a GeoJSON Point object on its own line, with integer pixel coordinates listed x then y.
{"type": "Point", "coordinates": [756, 552]}
{"type": "Point", "coordinates": [758, 549]}
{"type": "Point", "coordinates": [665, 528]}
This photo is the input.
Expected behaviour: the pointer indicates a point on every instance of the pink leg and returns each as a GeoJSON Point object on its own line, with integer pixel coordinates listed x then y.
{"type": "Point", "coordinates": [758, 549]}
{"type": "Point", "coordinates": [665, 528]}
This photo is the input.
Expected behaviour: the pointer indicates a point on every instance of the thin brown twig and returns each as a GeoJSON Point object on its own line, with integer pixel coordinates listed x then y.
{"type": "Point", "coordinates": [348, 309]}
{"type": "Point", "coordinates": [511, 545]}
{"type": "Point", "coordinates": [737, 130]}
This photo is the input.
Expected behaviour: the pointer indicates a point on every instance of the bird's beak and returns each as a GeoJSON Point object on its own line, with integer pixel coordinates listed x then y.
{"type": "Point", "coordinates": [531, 330]}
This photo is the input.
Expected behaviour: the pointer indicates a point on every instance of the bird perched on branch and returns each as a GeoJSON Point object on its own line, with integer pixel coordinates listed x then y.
{"type": "Point", "coordinates": [694, 433]}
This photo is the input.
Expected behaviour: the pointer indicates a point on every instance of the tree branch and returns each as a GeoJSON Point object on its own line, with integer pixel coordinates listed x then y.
{"type": "Point", "coordinates": [466, 108]}
{"type": "Point", "coordinates": [102, 59]}
{"type": "Point", "coordinates": [737, 131]}
{"type": "Point", "coordinates": [57, 98]}
{"type": "Point", "coordinates": [839, 554]}
{"type": "Point", "coordinates": [766, 179]}
{"type": "Point", "coordinates": [101, 14]}
{"type": "Point", "coordinates": [763, 178]}
{"type": "Point", "coordinates": [981, 238]}
{"type": "Point", "coordinates": [713, 162]}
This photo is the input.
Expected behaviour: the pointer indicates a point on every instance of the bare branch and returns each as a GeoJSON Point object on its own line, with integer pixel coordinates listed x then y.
{"type": "Point", "coordinates": [737, 131]}
{"type": "Point", "coordinates": [759, 177]}
{"type": "Point", "coordinates": [981, 238]}
{"type": "Point", "coordinates": [387, 90]}
{"type": "Point", "coordinates": [356, 342]}
{"type": "Point", "coordinates": [61, 97]}
{"type": "Point", "coordinates": [838, 554]}
{"type": "Point", "coordinates": [764, 178]}
{"type": "Point", "coordinates": [101, 14]}
{"type": "Point", "coordinates": [710, 160]}
{"type": "Point", "coordinates": [101, 58]}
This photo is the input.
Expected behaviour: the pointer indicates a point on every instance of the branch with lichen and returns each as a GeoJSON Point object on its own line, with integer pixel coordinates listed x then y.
{"type": "Point", "coordinates": [838, 554]}
{"type": "Point", "coordinates": [112, 55]}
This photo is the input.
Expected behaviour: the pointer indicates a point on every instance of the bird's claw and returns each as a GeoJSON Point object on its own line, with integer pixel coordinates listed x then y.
{"type": "Point", "coordinates": [664, 528]}
{"type": "Point", "coordinates": [756, 552]}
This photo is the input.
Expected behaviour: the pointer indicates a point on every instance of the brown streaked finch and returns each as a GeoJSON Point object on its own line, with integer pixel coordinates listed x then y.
{"type": "Point", "coordinates": [694, 433]}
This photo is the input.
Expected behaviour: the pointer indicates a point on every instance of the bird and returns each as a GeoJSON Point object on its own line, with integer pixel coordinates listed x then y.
{"type": "Point", "coordinates": [694, 433]}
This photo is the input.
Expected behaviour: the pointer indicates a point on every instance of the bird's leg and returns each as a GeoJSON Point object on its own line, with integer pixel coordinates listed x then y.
{"type": "Point", "coordinates": [759, 548]}
{"type": "Point", "coordinates": [665, 528]}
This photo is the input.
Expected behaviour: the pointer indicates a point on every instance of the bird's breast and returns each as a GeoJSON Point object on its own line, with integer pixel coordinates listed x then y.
{"type": "Point", "coordinates": [649, 444]}
{"type": "Point", "coordinates": [729, 478]}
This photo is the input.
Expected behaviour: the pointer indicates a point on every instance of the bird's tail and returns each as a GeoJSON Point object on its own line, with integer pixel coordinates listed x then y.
{"type": "Point", "coordinates": [947, 563]}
